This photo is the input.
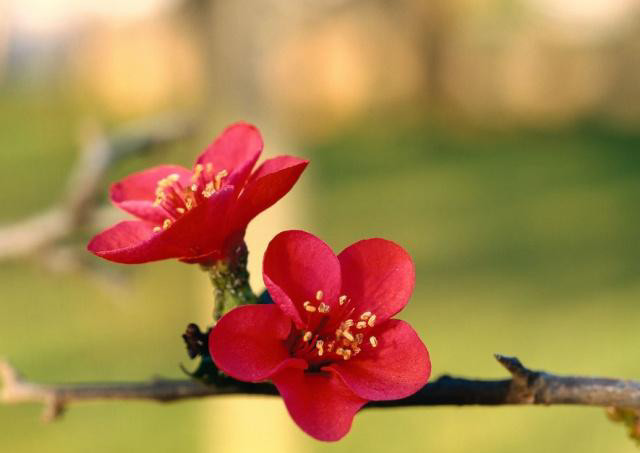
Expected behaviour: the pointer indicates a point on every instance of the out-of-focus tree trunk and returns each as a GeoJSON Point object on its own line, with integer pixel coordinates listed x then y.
{"type": "Point", "coordinates": [232, 38]}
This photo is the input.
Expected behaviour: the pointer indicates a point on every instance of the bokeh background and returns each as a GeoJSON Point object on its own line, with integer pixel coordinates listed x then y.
{"type": "Point", "coordinates": [496, 140]}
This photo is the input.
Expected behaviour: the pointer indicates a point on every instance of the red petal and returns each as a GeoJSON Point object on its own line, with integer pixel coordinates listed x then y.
{"type": "Point", "coordinates": [248, 342]}
{"type": "Point", "coordinates": [131, 242]}
{"type": "Point", "coordinates": [378, 275]}
{"type": "Point", "coordinates": [236, 150]}
{"type": "Point", "coordinates": [296, 265]}
{"type": "Point", "coordinates": [319, 403]}
{"type": "Point", "coordinates": [136, 193]}
{"type": "Point", "coordinates": [196, 233]}
{"type": "Point", "coordinates": [270, 182]}
{"type": "Point", "coordinates": [397, 368]}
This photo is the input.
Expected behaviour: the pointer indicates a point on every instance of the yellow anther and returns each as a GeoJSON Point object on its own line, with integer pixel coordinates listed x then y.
{"type": "Point", "coordinates": [364, 316]}
{"type": "Point", "coordinates": [342, 299]}
{"type": "Point", "coordinates": [356, 350]}
{"type": "Point", "coordinates": [209, 190]}
{"type": "Point", "coordinates": [319, 295]}
{"type": "Point", "coordinates": [373, 340]}
{"type": "Point", "coordinates": [166, 224]}
{"type": "Point", "coordinates": [197, 171]}
{"type": "Point", "coordinates": [319, 345]}
{"type": "Point", "coordinates": [348, 323]}
{"type": "Point", "coordinates": [348, 335]}
{"type": "Point", "coordinates": [339, 351]}
{"type": "Point", "coordinates": [173, 177]}
{"type": "Point", "coordinates": [221, 174]}
{"type": "Point", "coordinates": [346, 354]}
{"type": "Point", "coordinates": [189, 204]}
{"type": "Point", "coordinates": [307, 306]}
{"type": "Point", "coordinates": [361, 324]}
{"type": "Point", "coordinates": [371, 321]}
{"type": "Point", "coordinates": [180, 210]}
{"type": "Point", "coordinates": [194, 187]}
{"type": "Point", "coordinates": [307, 335]}
{"type": "Point", "coordinates": [156, 229]}
{"type": "Point", "coordinates": [323, 308]}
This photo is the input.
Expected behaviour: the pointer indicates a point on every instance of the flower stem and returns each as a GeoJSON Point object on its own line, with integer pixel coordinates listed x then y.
{"type": "Point", "coordinates": [230, 280]}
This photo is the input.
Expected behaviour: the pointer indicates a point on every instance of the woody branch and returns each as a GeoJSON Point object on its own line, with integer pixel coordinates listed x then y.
{"type": "Point", "coordinates": [524, 387]}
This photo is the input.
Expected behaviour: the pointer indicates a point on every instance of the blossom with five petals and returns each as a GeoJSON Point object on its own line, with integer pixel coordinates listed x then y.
{"type": "Point", "coordinates": [328, 342]}
{"type": "Point", "coordinates": [197, 216]}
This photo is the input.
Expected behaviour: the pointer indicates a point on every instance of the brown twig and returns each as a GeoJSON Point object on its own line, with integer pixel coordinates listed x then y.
{"type": "Point", "coordinates": [524, 387]}
{"type": "Point", "coordinates": [41, 234]}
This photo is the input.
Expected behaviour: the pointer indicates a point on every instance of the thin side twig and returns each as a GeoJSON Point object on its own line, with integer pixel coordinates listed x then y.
{"type": "Point", "coordinates": [44, 231]}
{"type": "Point", "coordinates": [524, 387]}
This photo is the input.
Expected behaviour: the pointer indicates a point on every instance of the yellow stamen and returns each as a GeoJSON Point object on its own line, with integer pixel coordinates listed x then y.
{"type": "Point", "coordinates": [373, 340]}
{"type": "Point", "coordinates": [323, 308]}
{"type": "Point", "coordinates": [348, 335]}
{"type": "Point", "coordinates": [371, 321]}
{"type": "Point", "coordinates": [319, 295]}
{"type": "Point", "coordinates": [196, 172]}
{"type": "Point", "coordinates": [347, 354]}
{"type": "Point", "coordinates": [319, 345]}
{"type": "Point", "coordinates": [208, 190]}
{"type": "Point", "coordinates": [361, 324]}
{"type": "Point", "coordinates": [307, 335]}
{"type": "Point", "coordinates": [307, 306]}
{"type": "Point", "coordinates": [339, 351]}
{"type": "Point", "coordinates": [364, 316]}
{"type": "Point", "coordinates": [342, 300]}
{"type": "Point", "coordinates": [180, 210]}
{"type": "Point", "coordinates": [156, 229]}
{"type": "Point", "coordinates": [218, 179]}
{"type": "Point", "coordinates": [194, 187]}
{"type": "Point", "coordinates": [166, 224]}
{"type": "Point", "coordinates": [348, 323]}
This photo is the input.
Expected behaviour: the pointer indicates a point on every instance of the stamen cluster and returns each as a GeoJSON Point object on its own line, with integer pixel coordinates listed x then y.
{"type": "Point", "coordinates": [345, 341]}
{"type": "Point", "coordinates": [176, 198]}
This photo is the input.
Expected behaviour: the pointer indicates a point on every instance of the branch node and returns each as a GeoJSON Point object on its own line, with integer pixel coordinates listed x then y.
{"type": "Point", "coordinates": [513, 366]}
{"type": "Point", "coordinates": [53, 408]}
{"type": "Point", "coordinates": [524, 383]}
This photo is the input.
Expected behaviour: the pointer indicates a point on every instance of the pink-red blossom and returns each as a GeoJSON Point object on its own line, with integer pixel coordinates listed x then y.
{"type": "Point", "coordinates": [328, 343]}
{"type": "Point", "coordinates": [197, 216]}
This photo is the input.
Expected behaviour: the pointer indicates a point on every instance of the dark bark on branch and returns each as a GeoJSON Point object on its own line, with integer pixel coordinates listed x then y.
{"type": "Point", "coordinates": [524, 387]}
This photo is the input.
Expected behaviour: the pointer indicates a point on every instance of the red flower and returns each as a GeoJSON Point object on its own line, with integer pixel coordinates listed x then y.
{"type": "Point", "coordinates": [196, 216]}
{"type": "Point", "coordinates": [328, 343]}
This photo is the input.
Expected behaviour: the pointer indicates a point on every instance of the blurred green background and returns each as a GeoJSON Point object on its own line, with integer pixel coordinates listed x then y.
{"type": "Point", "coordinates": [502, 152]}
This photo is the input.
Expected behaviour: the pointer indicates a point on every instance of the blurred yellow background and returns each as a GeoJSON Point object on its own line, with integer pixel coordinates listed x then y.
{"type": "Point", "coordinates": [496, 140]}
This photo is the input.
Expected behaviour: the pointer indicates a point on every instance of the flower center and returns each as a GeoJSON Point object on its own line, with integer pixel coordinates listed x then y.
{"type": "Point", "coordinates": [176, 199]}
{"type": "Point", "coordinates": [327, 336]}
